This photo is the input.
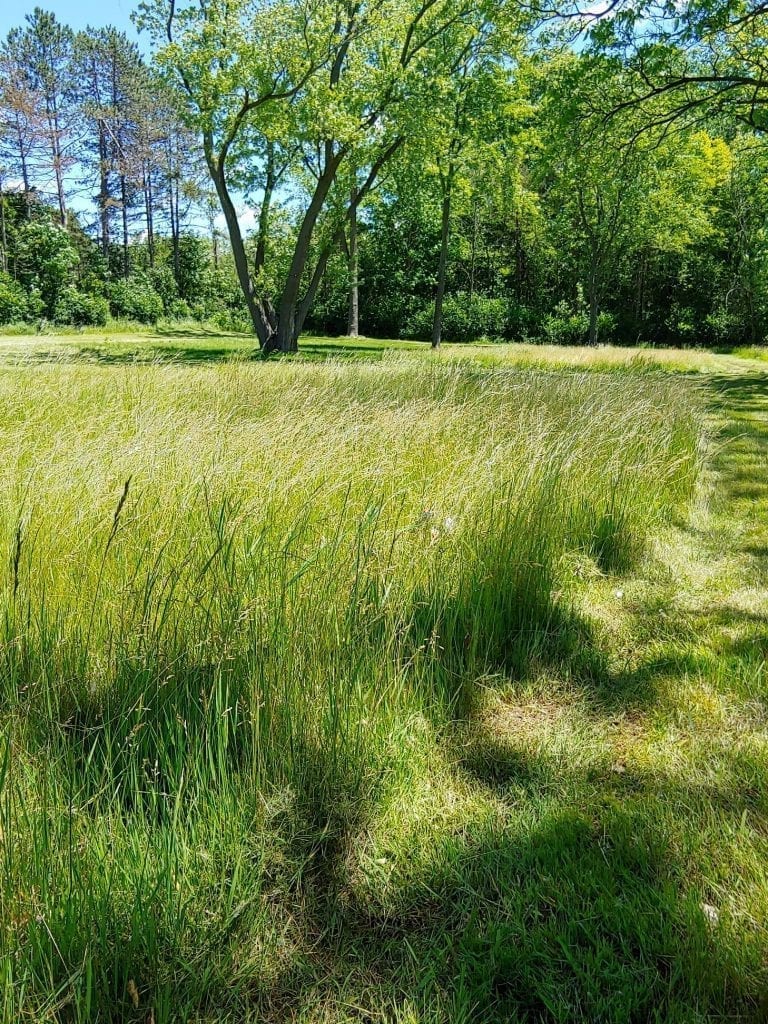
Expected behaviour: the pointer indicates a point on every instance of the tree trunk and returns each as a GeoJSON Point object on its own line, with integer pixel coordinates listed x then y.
{"type": "Point", "coordinates": [285, 338]}
{"type": "Point", "coordinates": [594, 307]}
{"type": "Point", "coordinates": [261, 325]}
{"type": "Point", "coordinates": [124, 202]}
{"type": "Point", "coordinates": [174, 211]}
{"type": "Point", "coordinates": [317, 276]}
{"type": "Point", "coordinates": [148, 211]}
{"type": "Point", "coordinates": [353, 324]}
{"type": "Point", "coordinates": [24, 169]}
{"type": "Point", "coordinates": [437, 321]}
{"type": "Point", "coordinates": [270, 180]}
{"type": "Point", "coordinates": [3, 239]}
{"type": "Point", "coordinates": [103, 190]}
{"type": "Point", "coordinates": [473, 259]}
{"type": "Point", "coordinates": [57, 157]}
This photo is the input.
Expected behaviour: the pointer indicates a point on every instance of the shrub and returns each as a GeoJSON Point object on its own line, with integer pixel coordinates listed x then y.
{"type": "Point", "coordinates": [464, 319]}
{"type": "Point", "coordinates": [161, 279]}
{"type": "Point", "coordinates": [522, 323]}
{"type": "Point", "coordinates": [568, 326]}
{"type": "Point", "coordinates": [683, 324]}
{"type": "Point", "coordinates": [565, 326]}
{"type": "Point", "coordinates": [14, 301]}
{"type": "Point", "coordinates": [179, 309]}
{"type": "Point", "coordinates": [231, 320]}
{"type": "Point", "coordinates": [135, 299]}
{"type": "Point", "coordinates": [81, 310]}
{"type": "Point", "coordinates": [724, 326]}
{"type": "Point", "coordinates": [45, 261]}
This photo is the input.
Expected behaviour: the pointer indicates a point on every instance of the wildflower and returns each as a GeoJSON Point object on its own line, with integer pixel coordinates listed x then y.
{"type": "Point", "coordinates": [712, 914]}
{"type": "Point", "coordinates": [449, 525]}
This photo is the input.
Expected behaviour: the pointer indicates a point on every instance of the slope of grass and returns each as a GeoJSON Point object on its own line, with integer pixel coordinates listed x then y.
{"type": "Point", "coordinates": [410, 690]}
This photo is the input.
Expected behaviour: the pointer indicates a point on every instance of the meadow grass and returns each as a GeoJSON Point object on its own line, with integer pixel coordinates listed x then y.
{"type": "Point", "coordinates": [196, 344]}
{"type": "Point", "coordinates": [365, 690]}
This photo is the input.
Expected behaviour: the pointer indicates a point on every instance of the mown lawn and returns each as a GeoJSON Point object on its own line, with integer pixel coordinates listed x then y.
{"type": "Point", "coordinates": [395, 688]}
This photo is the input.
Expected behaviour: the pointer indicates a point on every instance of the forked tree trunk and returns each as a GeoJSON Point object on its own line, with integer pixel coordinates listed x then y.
{"type": "Point", "coordinates": [285, 337]}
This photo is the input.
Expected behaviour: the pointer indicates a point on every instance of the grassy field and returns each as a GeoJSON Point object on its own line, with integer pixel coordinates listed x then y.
{"type": "Point", "coordinates": [196, 345]}
{"type": "Point", "coordinates": [379, 686]}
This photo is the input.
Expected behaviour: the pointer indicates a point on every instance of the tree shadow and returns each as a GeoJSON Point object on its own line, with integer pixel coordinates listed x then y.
{"type": "Point", "coordinates": [579, 914]}
{"type": "Point", "coordinates": [368, 351]}
{"type": "Point", "coordinates": [190, 332]}
{"type": "Point", "coordinates": [134, 355]}
{"type": "Point", "coordinates": [239, 350]}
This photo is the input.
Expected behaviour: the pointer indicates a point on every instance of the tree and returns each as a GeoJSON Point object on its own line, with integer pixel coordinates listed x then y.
{"type": "Point", "coordinates": [704, 58]}
{"type": "Point", "coordinates": [334, 80]}
{"type": "Point", "coordinates": [42, 53]}
{"type": "Point", "coordinates": [618, 193]}
{"type": "Point", "coordinates": [19, 128]}
{"type": "Point", "coordinates": [110, 78]}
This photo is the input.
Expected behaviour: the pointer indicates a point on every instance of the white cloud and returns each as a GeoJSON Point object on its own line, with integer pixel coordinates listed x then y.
{"type": "Point", "coordinates": [247, 218]}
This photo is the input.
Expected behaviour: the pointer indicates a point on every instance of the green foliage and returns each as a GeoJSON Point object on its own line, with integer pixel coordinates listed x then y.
{"type": "Point", "coordinates": [45, 262]}
{"type": "Point", "coordinates": [559, 166]}
{"type": "Point", "coordinates": [80, 310]}
{"type": "Point", "coordinates": [724, 327]}
{"type": "Point", "coordinates": [16, 304]}
{"type": "Point", "coordinates": [569, 325]}
{"type": "Point", "coordinates": [465, 319]}
{"type": "Point", "coordinates": [163, 282]}
{"type": "Point", "coordinates": [134, 298]}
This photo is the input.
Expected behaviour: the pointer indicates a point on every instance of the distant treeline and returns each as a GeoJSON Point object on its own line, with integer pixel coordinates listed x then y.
{"type": "Point", "coordinates": [460, 175]}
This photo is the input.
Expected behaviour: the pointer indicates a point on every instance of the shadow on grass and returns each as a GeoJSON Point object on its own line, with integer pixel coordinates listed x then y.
{"type": "Point", "coordinates": [576, 904]}
{"type": "Point", "coordinates": [224, 348]}
{"type": "Point", "coordinates": [579, 906]}
{"type": "Point", "coordinates": [580, 914]}
{"type": "Point", "coordinates": [124, 355]}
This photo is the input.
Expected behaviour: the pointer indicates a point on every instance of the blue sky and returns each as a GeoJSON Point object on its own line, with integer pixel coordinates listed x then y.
{"type": "Point", "coordinates": [77, 13]}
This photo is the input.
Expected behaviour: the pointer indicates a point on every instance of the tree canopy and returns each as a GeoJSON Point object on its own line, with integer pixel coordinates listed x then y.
{"type": "Point", "coordinates": [428, 168]}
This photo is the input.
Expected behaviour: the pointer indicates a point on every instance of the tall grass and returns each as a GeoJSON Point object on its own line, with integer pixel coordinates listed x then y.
{"type": "Point", "coordinates": [236, 599]}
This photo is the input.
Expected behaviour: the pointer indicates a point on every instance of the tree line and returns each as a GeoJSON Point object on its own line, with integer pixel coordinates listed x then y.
{"type": "Point", "coordinates": [417, 168]}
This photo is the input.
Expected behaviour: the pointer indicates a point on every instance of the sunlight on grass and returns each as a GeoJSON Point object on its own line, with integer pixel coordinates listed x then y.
{"type": "Point", "coordinates": [321, 692]}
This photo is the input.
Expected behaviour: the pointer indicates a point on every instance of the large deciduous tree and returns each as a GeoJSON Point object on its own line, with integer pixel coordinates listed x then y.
{"type": "Point", "coordinates": [337, 81]}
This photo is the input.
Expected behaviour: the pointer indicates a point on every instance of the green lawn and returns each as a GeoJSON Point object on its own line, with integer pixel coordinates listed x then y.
{"type": "Point", "coordinates": [395, 688]}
